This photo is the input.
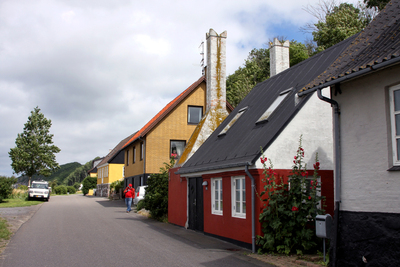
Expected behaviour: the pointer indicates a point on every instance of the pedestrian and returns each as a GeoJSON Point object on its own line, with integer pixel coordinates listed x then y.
{"type": "Point", "coordinates": [129, 194]}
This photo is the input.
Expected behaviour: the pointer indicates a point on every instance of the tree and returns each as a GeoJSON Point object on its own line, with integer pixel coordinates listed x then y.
{"type": "Point", "coordinates": [34, 152]}
{"type": "Point", "coordinates": [380, 4]}
{"type": "Point", "coordinates": [88, 183]}
{"type": "Point", "coordinates": [6, 187]}
{"type": "Point", "coordinates": [256, 68]}
{"type": "Point", "coordinates": [344, 21]}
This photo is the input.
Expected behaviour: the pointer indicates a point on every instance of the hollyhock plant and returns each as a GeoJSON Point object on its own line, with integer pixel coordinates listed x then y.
{"type": "Point", "coordinates": [289, 210]}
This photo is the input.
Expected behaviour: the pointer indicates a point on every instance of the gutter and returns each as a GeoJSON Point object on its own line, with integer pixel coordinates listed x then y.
{"type": "Point", "coordinates": [253, 223]}
{"type": "Point", "coordinates": [351, 75]}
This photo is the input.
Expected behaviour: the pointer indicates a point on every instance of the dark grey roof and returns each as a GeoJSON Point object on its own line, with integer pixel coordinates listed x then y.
{"type": "Point", "coordinates": [243, 141]}
{"type": "Point", "coordinates": [378, 44]}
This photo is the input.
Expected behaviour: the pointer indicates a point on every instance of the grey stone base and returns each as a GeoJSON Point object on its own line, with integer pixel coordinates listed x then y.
{"type": "Point", "coordinates": [368, 239]}
{"type": "Point", "coordinates": [103, 190]}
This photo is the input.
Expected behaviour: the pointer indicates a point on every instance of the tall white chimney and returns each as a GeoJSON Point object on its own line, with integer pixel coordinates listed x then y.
{"type": "Point", "coordinates": [279, 56]}
{"type": "Point", "coordinates": [215, 96]}
{"type": "Point", "coordinates": [216, 70]}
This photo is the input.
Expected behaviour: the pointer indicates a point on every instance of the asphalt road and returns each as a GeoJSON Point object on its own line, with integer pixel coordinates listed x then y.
{"type": "Point", "coordinates": [88, 231]}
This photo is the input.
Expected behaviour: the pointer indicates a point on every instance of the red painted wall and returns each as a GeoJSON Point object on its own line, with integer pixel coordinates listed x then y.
{"type": "Point", "coordinates": [225, 225]}
{"type": "Point", "coordinates": [177, 198]}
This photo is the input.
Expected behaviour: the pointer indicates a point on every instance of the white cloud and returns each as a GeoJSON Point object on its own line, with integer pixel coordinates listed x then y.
{"type": "Point", "coordinates": [101, 69]}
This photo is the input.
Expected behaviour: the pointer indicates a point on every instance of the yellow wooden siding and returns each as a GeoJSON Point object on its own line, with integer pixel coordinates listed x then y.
{"type": "Point", "coordinates": [115, 172]}
{"type": "Point", "coordinates": [136, 168]}
{"type": "Point", "coordinates": [92, 174]}
{"type": "Point", "coordinates": [173, 127]}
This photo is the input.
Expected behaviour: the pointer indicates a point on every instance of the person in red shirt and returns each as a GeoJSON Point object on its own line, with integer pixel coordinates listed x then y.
{"type": "Point", "coordinates": [129, 194]}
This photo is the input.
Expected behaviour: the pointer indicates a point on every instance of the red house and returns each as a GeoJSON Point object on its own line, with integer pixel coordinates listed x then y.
{"type": "Point", "coordinates": [216, 189]}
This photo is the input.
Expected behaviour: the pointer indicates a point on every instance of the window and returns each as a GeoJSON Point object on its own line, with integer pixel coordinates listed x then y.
{"type": "Point", "coordinates": [216, 196]}
{"type": "Point", "coordinates": [394, 98]}
{"type": "Point", "coordinates": [127, 157]}
{"type": "Point", "coordinates": [238, 197]}
{"type": "Point", "coordinates": [229, 125]}
{"type": "Point", "coordinates": [141, 151]}
{"type": "Point", "coordinates": [274, 105]}
{"type": "Point", "coordinates": [177, 148]}
{"type": "Point", "coordinates": [134, 155]}
{"type": "Point", "coordinates": [194, 114]}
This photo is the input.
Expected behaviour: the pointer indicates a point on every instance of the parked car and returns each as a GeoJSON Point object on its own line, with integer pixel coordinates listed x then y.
{"type": "Point", "coordinates": [39, 189]}
{"type": "Point", "coordinates": [139, 194]}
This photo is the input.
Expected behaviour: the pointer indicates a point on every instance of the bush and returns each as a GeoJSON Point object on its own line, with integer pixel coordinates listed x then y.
{"type": "Point", "coordinates": [18, 193]}
{"type": "Point", "coordinates": [117, 185]}
{"type": "Point", "coordinates": [22, 187]}
{"type": "Point", "coordinates": [156, 197]}
{"type": "Point", "coordinates": [76, 186]}
{"type": "Point", "coordinates": [88, 183]}
{"type": "Point", "coordinates": [71, 189]}
{"type": "Point", "coordinates": [60, 190]}
{"type": "Point", "coordinates": [140, 205]}
{"type": "Point", "coordinates": [288, 218]}
{"type": "Point", "coordinates": [6, 187]}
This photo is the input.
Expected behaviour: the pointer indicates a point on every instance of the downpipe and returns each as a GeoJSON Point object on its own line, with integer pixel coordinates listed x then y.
{"type": "Point", "coordinates": [253, 223]}
{"type": "Point", "coordinates": [337, 173]}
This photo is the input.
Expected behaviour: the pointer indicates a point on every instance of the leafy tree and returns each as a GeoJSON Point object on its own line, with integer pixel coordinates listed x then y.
{"type": "Point", "coordinates": [78, 174]}
{"type": "Point", "coordinates": [256, 68]}
{"type": "Point", "coordinates": [88, 183]}
{"type": "Point", "coordinates": [343, 22]}
{"type": "Point", "coordinates": [34, 152]}
{"type": "Point", "coordinates": [380, 4]}
{"type": "Point", "coordinates": [156, 197]}
{"type": "Point", "coordinates": [6, 187]}
{"type": "Point", "coordinates": [53, 184]}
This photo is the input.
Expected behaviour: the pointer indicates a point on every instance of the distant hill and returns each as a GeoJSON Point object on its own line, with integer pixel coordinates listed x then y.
{"type": "Point", "coordinates": [60, 175]}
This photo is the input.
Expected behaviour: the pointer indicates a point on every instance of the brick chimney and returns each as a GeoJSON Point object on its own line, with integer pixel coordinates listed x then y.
{"type": "Point", "coordinates": [279, 56]}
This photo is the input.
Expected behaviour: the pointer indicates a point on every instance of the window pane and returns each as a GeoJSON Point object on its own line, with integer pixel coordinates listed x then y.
{"type": "Point", "coordinates": [237, 184]}
{"type": "Point", "coordinates": [244, 206]}
{"type": "Point", "coordinates": [177, 147]}
{"type": "Point", "coordinates": [398, 148]}
{"type": "Point", "coordinates": [194, 114]}
{"type": "Point", "coordinates": [216, 205]}
{"type": "Point", "coordinates": [397, 117]}
{"type": "Point", "coordinates": [237, 196]}
{"type": "Point", "coordinates": [237, 206]}
{"type": "Point", "coordinates": [396, 96]}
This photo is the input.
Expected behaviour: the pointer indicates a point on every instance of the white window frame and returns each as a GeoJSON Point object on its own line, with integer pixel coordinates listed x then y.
{"type": "Point", "coordinates": [216, 210]}
{"type": "Point", "coordinates": [199, 109]}
{"type": "Point", "coordinates": [242, 196]}
{"type": "Point", "coordinates": [395, 136]}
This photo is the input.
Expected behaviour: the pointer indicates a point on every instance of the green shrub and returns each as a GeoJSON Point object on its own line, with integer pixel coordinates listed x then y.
{"type": "Point", "coordinates": [22, 187]}
{"type": "Point", "coordinates": [156, 197]}
{"type": "Point", "coordinates": [88, 183]}
{"type": "Point", "coordinates": [140, 205]}
{"type": "Point", "coordinates": [19, 193]}
{"type": "Point", "coordinates": [60, 190]}
{"type": "Point", "coordinates": [76, 186]}
{"type": "Point", "coordinates": [288, 218]}
{"type": "Point", "coordinates": [71, 189]}
{"type": "Point", "coordinates": [6, 187]}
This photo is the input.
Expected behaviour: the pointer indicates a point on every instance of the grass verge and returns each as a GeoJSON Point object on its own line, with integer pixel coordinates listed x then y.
{"type": "Point", "coordinates": [4, 232]}
{"type": "Point", "coordinates": [18, 202]}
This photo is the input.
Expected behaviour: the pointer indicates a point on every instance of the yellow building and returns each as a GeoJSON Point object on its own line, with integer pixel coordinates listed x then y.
{"type": "Point", "coordinates": [110, 169]}
{"type": "Point", "coordinates": [165, 135]}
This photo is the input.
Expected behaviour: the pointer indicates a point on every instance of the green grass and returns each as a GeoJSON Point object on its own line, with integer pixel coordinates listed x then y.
{"type": "Point", "coordinates": [18, 202]}
{"type": "Point", "coordinates": [4, 232]}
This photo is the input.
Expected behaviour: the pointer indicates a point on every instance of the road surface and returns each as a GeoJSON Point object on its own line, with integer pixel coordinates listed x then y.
{"type": "Point", "coordinates": [76, 230]}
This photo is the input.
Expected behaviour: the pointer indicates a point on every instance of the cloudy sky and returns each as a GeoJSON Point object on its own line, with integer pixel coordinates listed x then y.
{"type": "Point", "coordinates": [100, 69]}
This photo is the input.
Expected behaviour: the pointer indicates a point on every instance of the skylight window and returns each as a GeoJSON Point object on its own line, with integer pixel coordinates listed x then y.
{"type": "Point", "coordinates": [274, 105]}
{"type": "Point", "coordinates": [229, 125]}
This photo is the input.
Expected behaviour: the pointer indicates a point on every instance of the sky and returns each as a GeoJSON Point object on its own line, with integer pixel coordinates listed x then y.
{"type": "Point", "coordinates": [101, 69]}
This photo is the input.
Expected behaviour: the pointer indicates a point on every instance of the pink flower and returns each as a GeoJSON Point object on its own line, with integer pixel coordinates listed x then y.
{"type": "Point", "coordinates": [309, 197]}
{"type": "Point", "coordinates": [295, 208]}
{"type": "Point", "coordinates": [312, 182]}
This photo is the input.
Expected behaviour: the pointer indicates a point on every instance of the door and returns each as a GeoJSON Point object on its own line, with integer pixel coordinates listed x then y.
{"type": "Point", "coordinates": [196, 212]}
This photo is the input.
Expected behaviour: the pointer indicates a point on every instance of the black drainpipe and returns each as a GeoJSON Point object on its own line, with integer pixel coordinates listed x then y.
{"type": "Point", "coordinates": [253, 223]}
{"type": "Point", "coordinates": [337, 173]}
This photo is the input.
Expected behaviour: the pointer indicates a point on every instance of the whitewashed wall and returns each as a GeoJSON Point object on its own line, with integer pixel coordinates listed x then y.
{"type": "Point", "coordinates": [366, 183]}
{"type": "Point", "coordinates": [314, 122]}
